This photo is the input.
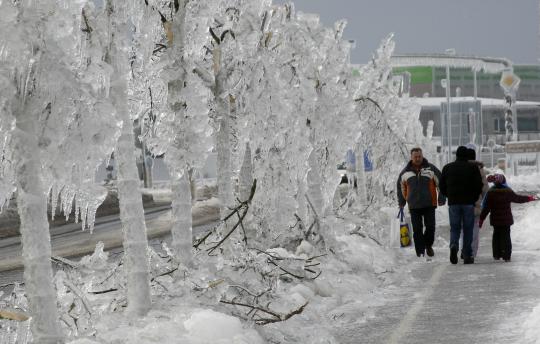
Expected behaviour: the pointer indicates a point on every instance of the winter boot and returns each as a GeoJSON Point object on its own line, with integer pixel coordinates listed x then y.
{"type": "Point", "coordinates": [429, 251]}
{"type": "Point", "coordinates": [468, 260]}
{"type": "Point", "coordinates": [453, 255]}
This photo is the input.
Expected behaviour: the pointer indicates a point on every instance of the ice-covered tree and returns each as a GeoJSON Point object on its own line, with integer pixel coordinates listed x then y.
{"type": "Point", "coordinates": [120, 24]}
{"type": "Point", "coordinates": [53, 138]}
{"type": "Point", "coordinates": [390, 123]}
{"type": "Point", "coordinates": [271, 120]}
{"type": "Point", "coordinates": [182, 130]}
{"type": "Point", "coordinates": [233, 39]}
{"type": "Point", "coordinates": [300, 107]}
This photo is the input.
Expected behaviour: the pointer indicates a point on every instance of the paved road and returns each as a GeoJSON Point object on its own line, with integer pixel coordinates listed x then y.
{"type": "Point", "coordinates": [70, 241]}
{"type": "Point", "coordinates": [443, 303]}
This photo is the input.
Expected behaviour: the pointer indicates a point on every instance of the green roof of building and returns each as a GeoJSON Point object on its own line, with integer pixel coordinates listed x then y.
{"type": "Point", "coordinates": [419, 75]}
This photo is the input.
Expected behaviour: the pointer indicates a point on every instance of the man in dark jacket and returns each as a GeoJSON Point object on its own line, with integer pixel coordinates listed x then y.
{"type": "Point", "coordinates": [461, 183]}
{"type": "Point", "coordinates": [417, 185]}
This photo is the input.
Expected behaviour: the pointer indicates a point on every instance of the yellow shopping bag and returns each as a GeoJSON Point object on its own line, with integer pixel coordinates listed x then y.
{"type": "Point", "coordinates": [404, 231]}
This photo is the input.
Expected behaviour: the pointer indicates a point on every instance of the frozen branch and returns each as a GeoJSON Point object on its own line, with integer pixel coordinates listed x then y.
{"type": "Point", "coordinates": [242, 207]}
{"type": "Point", "coordinates": [205, 76]}
{"type": "Point", "coordinates": [272, 316]}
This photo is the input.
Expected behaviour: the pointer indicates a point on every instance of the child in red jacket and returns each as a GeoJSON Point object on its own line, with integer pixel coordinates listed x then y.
{"type": "Point", "coordinates": [497, 202]}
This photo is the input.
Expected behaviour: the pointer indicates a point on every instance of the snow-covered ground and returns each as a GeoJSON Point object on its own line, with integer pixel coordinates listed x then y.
{"type": "Point", "coordinates": [526, 234]}
{"type": "Point", "coordinates": [352, 275]}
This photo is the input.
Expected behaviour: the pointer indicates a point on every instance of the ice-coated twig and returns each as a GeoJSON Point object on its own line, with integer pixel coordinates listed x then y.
{"type": "Point", "coordinates": [274, 316]}
{"type": "Point", "coordinates": [242, 206]}
{"type": "Point", "coordinates": [248, 291]}
{"type": "Point", "coordinates": [315, 221]}
{"type": "Point", "coordinates": [364, 99]}
{"type": "Point", "coordinates": [170, 272]}
{"type": "Point", "coordinates": [203, 239]}
{"type": "Point", "coordinates": [243, 229]}
{"type": "Point", "coordinates": [80, 295]}
{"type": "Point", "coordinates": [13, 315]}
{"type": "Point", "coordinates": [113, 271]}
{"type": "Point", "coordinates": [103, 291]}
{"type": "Point", "coordinates": [65, 261]}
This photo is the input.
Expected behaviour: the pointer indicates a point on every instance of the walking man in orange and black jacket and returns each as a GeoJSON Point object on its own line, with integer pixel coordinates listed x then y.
{"type": "Point", "coordinates": [417, 186]}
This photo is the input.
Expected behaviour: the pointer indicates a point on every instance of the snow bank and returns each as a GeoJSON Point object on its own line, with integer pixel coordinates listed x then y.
{"type": "Point", "coordinates": [529, 182]}
{"type": "Point", "coordinates": [526, 230]}
{"type": "Point", "coordinates": [532, 330]}
{"type": "Point", "coordinates": [198, 326]}
{"type": "Point", "coordinates": [208, 326]}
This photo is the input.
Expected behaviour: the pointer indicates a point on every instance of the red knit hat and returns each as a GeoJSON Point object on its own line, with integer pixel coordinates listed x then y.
{"type": "Point", "coordinates": [496, 179]}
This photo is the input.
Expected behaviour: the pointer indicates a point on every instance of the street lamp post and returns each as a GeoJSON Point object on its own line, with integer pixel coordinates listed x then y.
{"type": "Point", "coordinates": [510, 84]}
{"type": "Point", "coordinates": [450, 52]}
{"type": "Point", "coordinates": [472, 126]}
{"type": "Point", "coordinates": [491, 145]}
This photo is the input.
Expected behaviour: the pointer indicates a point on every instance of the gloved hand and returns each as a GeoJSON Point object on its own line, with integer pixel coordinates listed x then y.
{"type": "Point", "coordinates": [480, 223]}
{"type": "Point", "coordinates": [533, 198]}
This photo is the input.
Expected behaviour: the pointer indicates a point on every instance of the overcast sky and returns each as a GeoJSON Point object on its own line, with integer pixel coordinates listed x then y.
{"type": "Point", "coordinates": [497, 28]}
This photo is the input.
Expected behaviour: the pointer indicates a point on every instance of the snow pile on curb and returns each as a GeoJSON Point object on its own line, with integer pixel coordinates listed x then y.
{"type": "Point", "coordinates": [532, 330]}
{"type": "Point", "coordinates": [527, 182]}
{"type": "Point", "coordinates": [353, 273]}
{"type": "Point", "coordinates": [526, 230]}
{"type": "Point", "coordinates": [176, 325]}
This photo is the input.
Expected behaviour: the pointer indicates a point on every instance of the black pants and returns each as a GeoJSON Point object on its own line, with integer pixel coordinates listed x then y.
{"type": "Point", "coordinates": [423, 217]}
{"type": "Point", "coordinates": [502, 244]}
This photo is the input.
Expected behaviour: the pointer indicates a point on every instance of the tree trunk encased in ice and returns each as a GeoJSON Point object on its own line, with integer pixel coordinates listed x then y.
{"type": "Point", "coordinates": [135, 240]}
{"type": "Point", "coordinates": [222, 137]}
{"type": "Point", "coordinates": [35, 236]}
{"type": "Point", "coordinates": [181, 230]}
{"type": "Point", "coordinates": [245, 178]}
{"type": "Point", "coordinates": [131, 209]}
{"type": "Point", "coordinates": [224, 168]}
{"type": "Point", "coordinates": [314, 182]}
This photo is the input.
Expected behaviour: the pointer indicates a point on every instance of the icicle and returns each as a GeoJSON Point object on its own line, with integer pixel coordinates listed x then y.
{"type": "Point", "coordinates": [91, 215]}
{"type": "Point", "coordinates": [77, 211]}
{"type": "Point", "coordinates": [67, 197]}
{"type": "Point", "coordinates": [84, 213]}
{"type": "Point", "coordinates": [55, 192]}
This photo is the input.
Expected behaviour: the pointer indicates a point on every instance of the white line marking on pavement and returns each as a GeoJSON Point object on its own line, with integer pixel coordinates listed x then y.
{"type": "Point", "coordinates": [401, 331]}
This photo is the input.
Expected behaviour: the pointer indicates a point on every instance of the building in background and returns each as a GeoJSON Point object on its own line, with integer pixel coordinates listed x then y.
{"type": "Point", "coordinates": [427, 81]}
{"type": "Point", "coordinates": [491, 117]}
{"type": "Point", "coordinates": [426, 85]}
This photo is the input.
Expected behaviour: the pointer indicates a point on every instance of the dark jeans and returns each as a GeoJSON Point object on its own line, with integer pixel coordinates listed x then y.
{"type": "Point", "coordinates": [461, 218]}
{"type": "Point", "coordinates": [423, 217]}
{"type": "Point", "coordinates": [502, 244]}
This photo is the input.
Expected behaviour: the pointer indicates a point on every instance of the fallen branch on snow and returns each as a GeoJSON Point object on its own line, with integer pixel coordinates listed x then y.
{"type": "Point", "coordinates": [270, 316]}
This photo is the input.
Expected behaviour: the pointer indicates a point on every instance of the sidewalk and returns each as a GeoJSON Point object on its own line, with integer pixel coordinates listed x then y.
{"type": "Point", "coordinates": [438, 302]}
